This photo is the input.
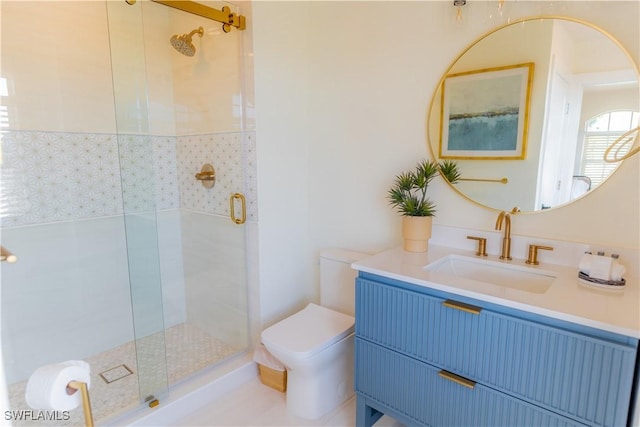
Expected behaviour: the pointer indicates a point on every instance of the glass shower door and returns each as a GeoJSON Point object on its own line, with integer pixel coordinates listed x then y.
{"type": "Point", "coordinates": [86, 285]}
{"type": "Point", "coordinates": [125, 260]}
{"type": "Point", "coordinates": [177, 113]}
{"type": "Point", "coordinates": [207, 96]}
{"type": "Point", "coordinates": [138, 178]}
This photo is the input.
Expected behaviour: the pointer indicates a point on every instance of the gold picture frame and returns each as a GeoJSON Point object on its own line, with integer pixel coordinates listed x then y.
{"type": "Point", "coordinates": [485, 113]}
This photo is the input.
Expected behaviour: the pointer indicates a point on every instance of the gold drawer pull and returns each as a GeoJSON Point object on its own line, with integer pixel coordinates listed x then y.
{"type": "Point", "coordinates": [462, 306]}
{"type": "Point", "coordinates": [457, 379]}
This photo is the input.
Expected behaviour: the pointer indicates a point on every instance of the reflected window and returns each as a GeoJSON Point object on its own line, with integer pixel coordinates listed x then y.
{"type": "Point", "coordinates": [600, 132]}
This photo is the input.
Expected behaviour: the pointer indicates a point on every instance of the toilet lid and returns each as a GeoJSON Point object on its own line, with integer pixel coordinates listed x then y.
{"type": "Point", "coordinates": [308, 331]}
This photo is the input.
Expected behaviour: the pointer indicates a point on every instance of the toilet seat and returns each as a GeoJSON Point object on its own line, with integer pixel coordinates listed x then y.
{"type": "Point", "coordinates": [309, 331]}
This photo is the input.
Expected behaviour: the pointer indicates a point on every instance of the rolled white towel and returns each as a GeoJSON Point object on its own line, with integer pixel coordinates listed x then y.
{"type": "Point", "coordinates": [617, 270]}
{"type": "Point", "coordinates": [585, 263]}
{"type": "Point", "coordinates": [601, 267]}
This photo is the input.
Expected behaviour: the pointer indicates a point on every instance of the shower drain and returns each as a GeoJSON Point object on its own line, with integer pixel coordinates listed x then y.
{"type": "Point", "coordinates": [115, 374]}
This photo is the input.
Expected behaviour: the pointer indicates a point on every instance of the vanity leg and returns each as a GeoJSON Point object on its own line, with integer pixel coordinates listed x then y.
{"type": "Point", "coordinates": [366, 416]}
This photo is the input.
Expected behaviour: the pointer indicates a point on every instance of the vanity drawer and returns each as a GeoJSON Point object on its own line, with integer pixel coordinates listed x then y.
{"type": "Point", "coordinates": [579, 376]}
{"type": "Point", "coordinates": [417, 390]}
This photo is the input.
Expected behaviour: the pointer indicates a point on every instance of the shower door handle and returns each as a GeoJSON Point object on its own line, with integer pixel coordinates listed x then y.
{"type": "Point", "coordinates": [232, 208]}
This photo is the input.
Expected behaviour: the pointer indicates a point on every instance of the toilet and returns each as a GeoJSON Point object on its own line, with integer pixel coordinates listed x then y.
{"type": "Point", "coordinates": [316, 343]}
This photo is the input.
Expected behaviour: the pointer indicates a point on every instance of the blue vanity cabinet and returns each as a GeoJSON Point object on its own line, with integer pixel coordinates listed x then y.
{"type": "Point", "coordinates": [427, 357]}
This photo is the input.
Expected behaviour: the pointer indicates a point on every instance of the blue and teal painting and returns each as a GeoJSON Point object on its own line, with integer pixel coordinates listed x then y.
{"type": "Point", "coordinates": [486, 131]}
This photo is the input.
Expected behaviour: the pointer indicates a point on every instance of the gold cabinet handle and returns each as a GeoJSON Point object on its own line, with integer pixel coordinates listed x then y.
{"type": "Point", "coordinates": [462, 306]}
{"type": "Point", "coordinates": [457, 379]}
{"type": "Point", "coordinates": [232, 208]}
{"type": "Point", "coordinates": [7, 256]}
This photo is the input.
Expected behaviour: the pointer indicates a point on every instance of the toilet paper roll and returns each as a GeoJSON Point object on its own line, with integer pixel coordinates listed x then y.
{"type": "Point", "coordinates": [47, 386]}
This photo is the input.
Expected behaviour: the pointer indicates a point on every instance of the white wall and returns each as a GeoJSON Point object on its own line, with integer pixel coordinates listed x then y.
{"type": "Point", "coordinates": [598, 100]}
{"type": "Point", "coordinates": [280, 40]}
{"type": "Point", "coordinates": [84, 93]}
{"type": "Point", "coordinates": [342, 90]}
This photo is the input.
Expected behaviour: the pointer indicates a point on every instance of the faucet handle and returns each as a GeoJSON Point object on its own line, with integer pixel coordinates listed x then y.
{"type": "Point", "coordinates": [482, 245]}
{"type": "Point", "coordinates": [533, 253]}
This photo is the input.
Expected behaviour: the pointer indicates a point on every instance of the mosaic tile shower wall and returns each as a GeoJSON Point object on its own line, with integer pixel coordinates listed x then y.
{"type": "Point", "coordinates": [148, 172]}
{"type": "Point", "coordinates": [233, 155]}
{"type": "Point", "coordinates": [53, 176]}
{"type": "Point", "coordinates": [60, 176]}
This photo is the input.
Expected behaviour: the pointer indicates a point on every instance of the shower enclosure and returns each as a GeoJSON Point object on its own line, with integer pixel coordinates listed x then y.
{"type": "Point", "coordinates": [124, 258]}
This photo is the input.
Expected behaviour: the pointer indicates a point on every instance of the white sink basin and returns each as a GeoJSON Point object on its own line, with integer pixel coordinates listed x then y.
{"type": "Point", "coordinates": [496, 273]}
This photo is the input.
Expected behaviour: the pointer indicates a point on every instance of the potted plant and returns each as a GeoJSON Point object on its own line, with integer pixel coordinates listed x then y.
{"type": "Point", "coordinates": [409, 196]}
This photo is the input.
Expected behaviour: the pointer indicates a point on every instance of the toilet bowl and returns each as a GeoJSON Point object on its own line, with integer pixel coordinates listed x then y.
{"type": "Point", "coordinates": [316, 344]}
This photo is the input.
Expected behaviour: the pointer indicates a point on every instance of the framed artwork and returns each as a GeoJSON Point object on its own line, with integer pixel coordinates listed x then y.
{"type": "Point", "coordinates": [485, 113]}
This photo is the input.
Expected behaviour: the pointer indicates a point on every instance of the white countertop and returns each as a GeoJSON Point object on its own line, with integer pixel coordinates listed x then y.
{"type": "Point", "coordinates": [566, 299]}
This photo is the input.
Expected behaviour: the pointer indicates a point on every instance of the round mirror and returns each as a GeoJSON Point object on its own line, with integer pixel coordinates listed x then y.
{"type": "Point", "coordinates": [528, 110]}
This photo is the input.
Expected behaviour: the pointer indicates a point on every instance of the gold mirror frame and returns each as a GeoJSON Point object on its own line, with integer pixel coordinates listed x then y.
{"type": "Point", "coordinates": [438, 92]}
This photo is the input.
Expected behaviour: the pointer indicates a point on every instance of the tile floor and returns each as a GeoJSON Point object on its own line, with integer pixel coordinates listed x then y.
{"type": "Point", "coordinates": [188, 349]}
{"type": "Point", "coordinates": [254, 404]}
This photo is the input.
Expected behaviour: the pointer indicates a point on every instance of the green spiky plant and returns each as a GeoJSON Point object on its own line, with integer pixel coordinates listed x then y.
{"type": "Point", "coordinates": [409, 192]}
{"type": "Point", "coordinates": [450, 171]}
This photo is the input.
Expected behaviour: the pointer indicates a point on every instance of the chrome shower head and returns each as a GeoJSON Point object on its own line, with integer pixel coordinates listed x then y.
{"type": "Point", "coordinates": [183, 43]}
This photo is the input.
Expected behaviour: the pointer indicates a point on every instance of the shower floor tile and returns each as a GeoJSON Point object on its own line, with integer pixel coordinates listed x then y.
{"type": "Point", "coordinates": [188, 349]}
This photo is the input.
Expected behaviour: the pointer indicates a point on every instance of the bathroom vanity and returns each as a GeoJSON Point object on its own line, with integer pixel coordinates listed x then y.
{"type": "Point", "coordinates": [437, 348]}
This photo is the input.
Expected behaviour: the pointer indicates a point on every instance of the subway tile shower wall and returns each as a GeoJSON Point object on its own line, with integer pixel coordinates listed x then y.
{"type": "Point", "coordinates": [59, 176]}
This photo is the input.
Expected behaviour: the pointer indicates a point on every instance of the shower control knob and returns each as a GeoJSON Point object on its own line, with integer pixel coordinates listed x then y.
{"type": "Point", "coordinates": [207, 175]}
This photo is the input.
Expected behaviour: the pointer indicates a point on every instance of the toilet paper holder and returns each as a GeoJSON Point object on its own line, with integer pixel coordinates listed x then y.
{"type": "Point", "coordinates": [86, 402]}
{"type": "Point", "coordinates": [6, 255]}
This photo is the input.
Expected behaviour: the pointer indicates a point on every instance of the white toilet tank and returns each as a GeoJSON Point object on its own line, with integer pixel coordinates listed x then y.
{"type": "Point", "coordinates": [337, 279]}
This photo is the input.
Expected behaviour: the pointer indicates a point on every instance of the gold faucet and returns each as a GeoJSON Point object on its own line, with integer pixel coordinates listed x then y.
{"type": "Point", "coordinates": [506, 240]}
